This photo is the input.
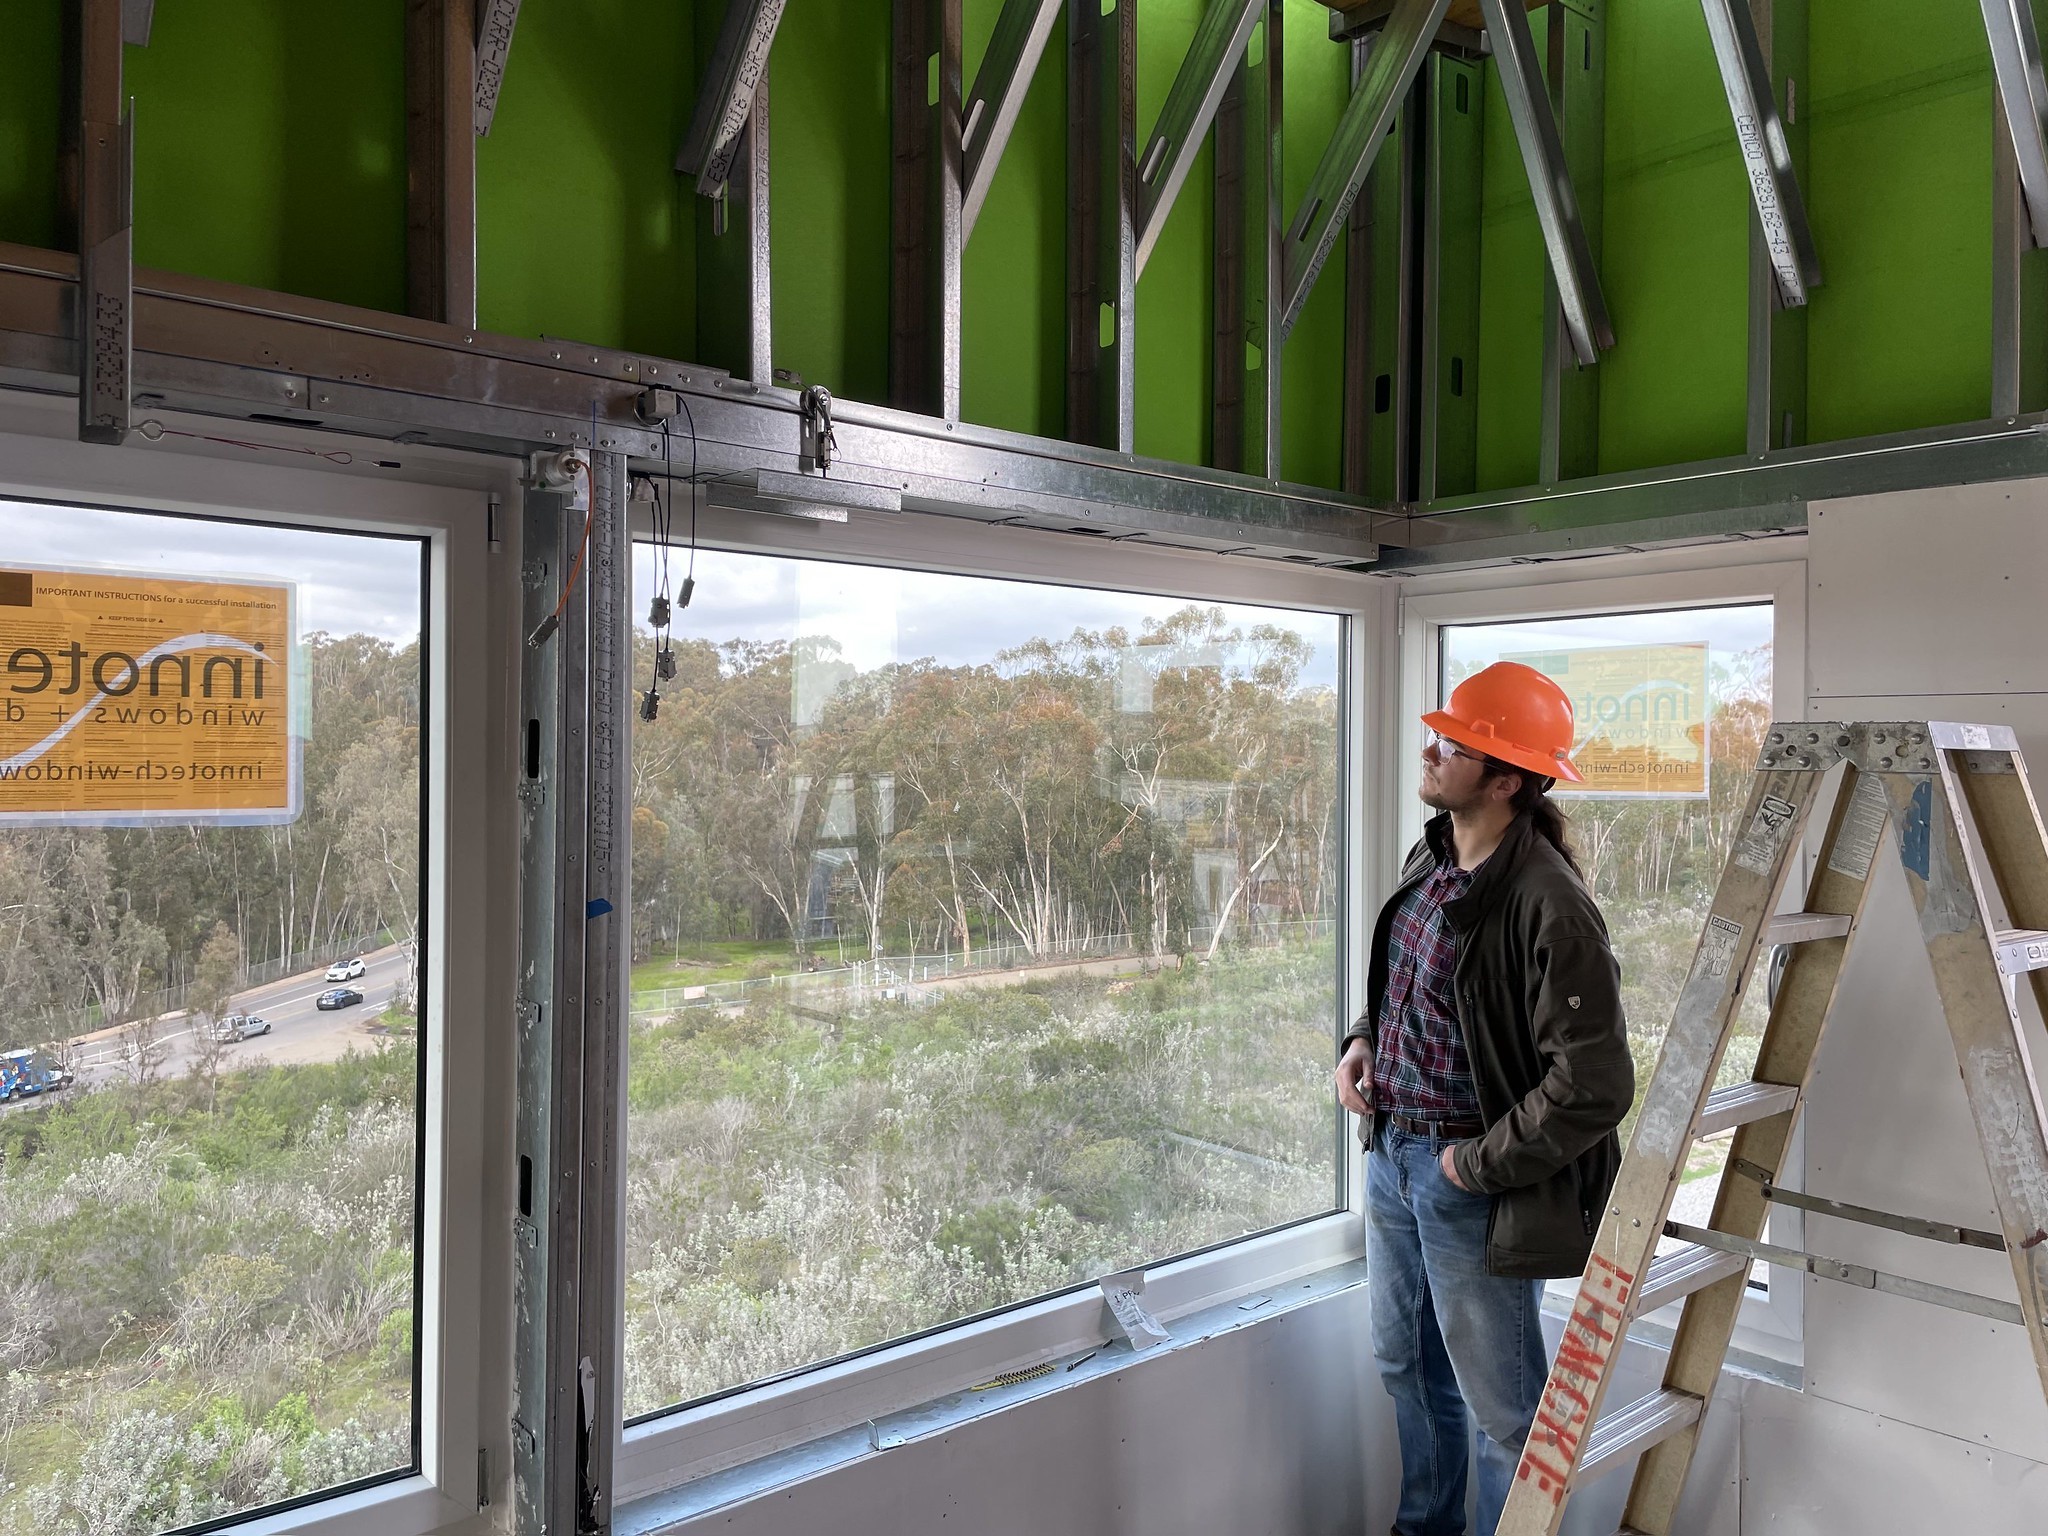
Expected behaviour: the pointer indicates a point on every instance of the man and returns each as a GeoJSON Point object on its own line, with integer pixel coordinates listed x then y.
{"type": "Point", "coordinates": [1491, 1067]}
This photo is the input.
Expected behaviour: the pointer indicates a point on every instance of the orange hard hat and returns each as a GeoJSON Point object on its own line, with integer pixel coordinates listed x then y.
{"type": "Point", "coordinates": [1514, 713]}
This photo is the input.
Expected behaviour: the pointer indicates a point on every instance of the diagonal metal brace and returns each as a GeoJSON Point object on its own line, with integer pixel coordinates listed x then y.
{"type": "Point", "coordinates": [1000, 85]}
{"type": "Point", "coordinates": [2016, 61]}
{"type": "Point", "coordinates": [725, 99]}
{"type": "Point", "coordinates": [1766, 154]}
{"type": "Point", "coordinates": [1191, 106]}
{"type": "Point", "coordinates": [1550, 182]}
{"type": "Point", "coordinates": [495, 20]}
{"type": "Point", "coordinates": [1389, 71]}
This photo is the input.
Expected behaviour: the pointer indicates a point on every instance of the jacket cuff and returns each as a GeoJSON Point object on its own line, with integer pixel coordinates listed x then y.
{"type": "Point", "coordinates": [1463, 1155]}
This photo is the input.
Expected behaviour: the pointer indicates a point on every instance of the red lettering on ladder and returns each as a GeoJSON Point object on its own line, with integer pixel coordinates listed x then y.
{"type": "Point", "coordinates": [1583, 1355]}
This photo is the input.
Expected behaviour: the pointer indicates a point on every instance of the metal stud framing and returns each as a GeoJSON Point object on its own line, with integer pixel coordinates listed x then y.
{"type": "Point", "coordinates": [1576, 68]}
{"type": "Point", "coordinates": [1382, 255]}
{"type": "Point", "coordinates": [1777, 330]}
{"type": "Point", "coordinates": [574, 790]}
{"type": "Point", "coordinates": [738, 65]}
{"type": "Point", "coordinates": [2015, 39]}
{"type": "Point", "coordinates": [1766, 151]}
{"type": "Point", "coordinates": [1191, 106]}
{"type": "Point", "coordinates": [926, 228]}
{"type": "Point", "coordinates": [734, 295]}
{"type": "Point", "coordinates": [1102, 195]}
{"type": "Point", "coordinates": [495, 22]}
{"type": "Point", "coordinates": [1453, 94]}
{"type": "Point", "coordinates": [106, 217]}
{"type": "Point", "coordinates": [2019, 289]}
{"type": "Point", "coordinates": [440, 150]}
{"type": "Point", "coordinates": [1390, 68]}
{"type": "Point", "coordinates": [1023, 28]}
{"type": "Point", "coordinates": [1246, 395]}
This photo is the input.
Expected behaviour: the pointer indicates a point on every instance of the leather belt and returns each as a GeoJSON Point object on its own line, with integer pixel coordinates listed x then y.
{"type": "Point", "coordinates": [1436, 1130]}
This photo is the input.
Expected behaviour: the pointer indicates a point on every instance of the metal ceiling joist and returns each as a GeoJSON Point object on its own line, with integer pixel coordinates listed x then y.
{"type": "Point", "coordinates": [1390, 69]}
{"type": "Point", "coordinates": [222, 350]}
{"type": "Point", "coordinates": [725, 98]}
{"type": "Point", "coordinates": [1452, 96]}
{"type": "Point", "coordinates": [926, 232]}
{"type": "Point", "coordinates": [1766, 150]}
{"type": "Point", "coordinates": [1014, 50]}
{"type": "Point", "coordinates": [1102, 212]}
{"type": "Point", "coordinates": [440, 149]}
{"type": "Point", "coordinates": [106, 234]}
{"type": "Point", "coordinates": [2023, 92]}
{"type": "Point", "coordinates": [1245, 388]}
{"type": "Point", "coordinates": [1572, 266]}
{"type": "Point", "coordinates": [495, 21]}
{"type": "Point", "coordinates": [1191, 105]}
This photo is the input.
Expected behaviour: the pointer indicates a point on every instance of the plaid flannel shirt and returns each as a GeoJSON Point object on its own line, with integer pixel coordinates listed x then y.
{"type": "Point", "coordinates": [1420, 1068]}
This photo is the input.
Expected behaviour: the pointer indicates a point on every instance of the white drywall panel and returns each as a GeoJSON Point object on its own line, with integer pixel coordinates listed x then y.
{"type": "Point", "coordinates": [1932, 592]}
{"type": "Point", "coordinates": [1815, 1468]}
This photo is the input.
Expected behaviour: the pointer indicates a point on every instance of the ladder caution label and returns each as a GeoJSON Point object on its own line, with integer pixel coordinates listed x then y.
{"type": "Point", "coordinates": [1862, 831]}
{"type": "Point", "coordinates": [1758, 850]}
{"type": "Point", "coordinates": [1717, 946]}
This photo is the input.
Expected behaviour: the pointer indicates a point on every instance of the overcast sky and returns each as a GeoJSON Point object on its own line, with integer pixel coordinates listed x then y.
{"type": "Point", "coordinates": [879, 616]}
{"type": "Point", "coordinates": [347, 584]}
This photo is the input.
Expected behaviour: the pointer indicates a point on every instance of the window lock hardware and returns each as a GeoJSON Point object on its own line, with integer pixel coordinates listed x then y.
{"type": "Point", "coordinates": [819, 442]}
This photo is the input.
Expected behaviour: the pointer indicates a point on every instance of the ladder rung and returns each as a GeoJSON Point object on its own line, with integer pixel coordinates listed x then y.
{"type": "Point", "coordinates": [1744, 1103]}
{"type": "Point", "coordinates": [1681, 1272]}
{"type": "Point", "coordinates": [1805, 927]}
{"type": "Point", "coordinates": [2021, 950]}
{"type": "Point", "coordinates": [1642, 1424]}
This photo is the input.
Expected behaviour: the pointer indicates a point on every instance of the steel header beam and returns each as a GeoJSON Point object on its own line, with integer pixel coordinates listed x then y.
{"type": "Point", "coordinates": [1000, 85]}
{"type": "Point", "coordinates": [725, 99]}
{"type": "Point", "coordinates": [1191, 106]}
{"type": "Point", "coordinates": [1390, 69]}
{"type": "Point", "coordinates": [1766, 150]}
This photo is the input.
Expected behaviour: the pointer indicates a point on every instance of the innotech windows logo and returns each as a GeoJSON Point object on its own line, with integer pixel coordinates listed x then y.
{"type": "Point", "coordinates": [132, 700]}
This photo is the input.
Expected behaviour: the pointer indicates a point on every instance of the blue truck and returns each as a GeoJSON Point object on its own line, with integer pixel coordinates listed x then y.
{"type": "Point", "coordinates": [27, 1073]}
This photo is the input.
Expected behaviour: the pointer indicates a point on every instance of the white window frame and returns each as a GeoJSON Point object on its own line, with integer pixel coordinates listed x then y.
{"type": "Point", "coordinates": [692, 1442]}
{"type": "Point", "coordinates": [1772, 570]}
{"type": "Point", "coordinates": [441, 498]}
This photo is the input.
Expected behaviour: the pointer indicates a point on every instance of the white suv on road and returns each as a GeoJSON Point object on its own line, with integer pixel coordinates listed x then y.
{"type": "Point", "coordinates": [345, 970]}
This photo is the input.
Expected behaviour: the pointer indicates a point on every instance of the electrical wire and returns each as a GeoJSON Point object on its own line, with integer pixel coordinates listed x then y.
{"type": "Point", "coordinates": [152, 430]}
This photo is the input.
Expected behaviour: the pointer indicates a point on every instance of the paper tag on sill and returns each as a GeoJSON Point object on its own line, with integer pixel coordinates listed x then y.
{"type": "Point", "coordinates": [1122, 1291]}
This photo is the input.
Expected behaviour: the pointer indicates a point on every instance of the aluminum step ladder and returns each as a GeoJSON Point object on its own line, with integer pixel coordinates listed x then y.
{"type": "Point", "coordinates": [1965, 826]}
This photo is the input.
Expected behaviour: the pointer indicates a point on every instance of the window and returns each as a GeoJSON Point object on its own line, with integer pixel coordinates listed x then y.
{"type": "Point", "coordinates": [211, 746]}
{"type": "Point", "coordinates": [1671, 708]}
{"type": "Point", "coordinates": [984, 943]}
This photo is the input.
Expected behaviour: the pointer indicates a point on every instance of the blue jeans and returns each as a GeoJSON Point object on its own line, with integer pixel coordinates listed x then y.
{"type": "Point", "coordinates": [1448, 1337]}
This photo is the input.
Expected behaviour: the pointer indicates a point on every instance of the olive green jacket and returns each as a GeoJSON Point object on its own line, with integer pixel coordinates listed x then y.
{"type": "Point", "coordinates": [1538, 997]}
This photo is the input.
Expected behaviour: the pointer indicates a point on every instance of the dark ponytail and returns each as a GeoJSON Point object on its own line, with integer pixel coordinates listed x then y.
{"type": "Point", "coordinates": [1533, 800]}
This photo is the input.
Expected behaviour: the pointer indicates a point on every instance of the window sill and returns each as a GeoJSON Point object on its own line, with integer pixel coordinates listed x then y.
{"type": "Point", "coordinates": [666, 1512]}
{"type": "Point", "coordinates": [749, 1433]}
{"type": "Point", "coordinates": [410, 1506]}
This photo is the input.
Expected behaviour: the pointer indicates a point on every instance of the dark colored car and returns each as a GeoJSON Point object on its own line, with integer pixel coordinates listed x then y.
{"type": "Point", "coordinates": [338, 997]}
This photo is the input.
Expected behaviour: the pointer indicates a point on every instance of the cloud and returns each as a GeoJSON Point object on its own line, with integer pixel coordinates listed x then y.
{"type": "Point", "coordinates": [347, 583]}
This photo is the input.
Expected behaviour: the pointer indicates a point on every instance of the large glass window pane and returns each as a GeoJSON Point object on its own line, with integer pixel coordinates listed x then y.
{"type": "Point", "coordinates": [1671, 711]}
{"type": "Point", "coordinates": [210, 824]}
{"type": "Point", "coordinates": [984, 944]}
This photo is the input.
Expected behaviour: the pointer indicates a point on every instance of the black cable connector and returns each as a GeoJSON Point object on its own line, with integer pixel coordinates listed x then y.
{"type": "Point", "coordinates": [665, 665]}
{"type": "Point", "coordinates": [541, 631]}
{"type": "Point", "coordinates": [683, 594]}
{"type": "Point", "coordinates": [650, 704]}
{"type": "Point", "coordinates": [657, 613]}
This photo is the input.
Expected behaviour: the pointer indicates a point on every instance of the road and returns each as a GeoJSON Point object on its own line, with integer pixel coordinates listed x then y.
{"type": "Point", "coordinates": [299, 1032]}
